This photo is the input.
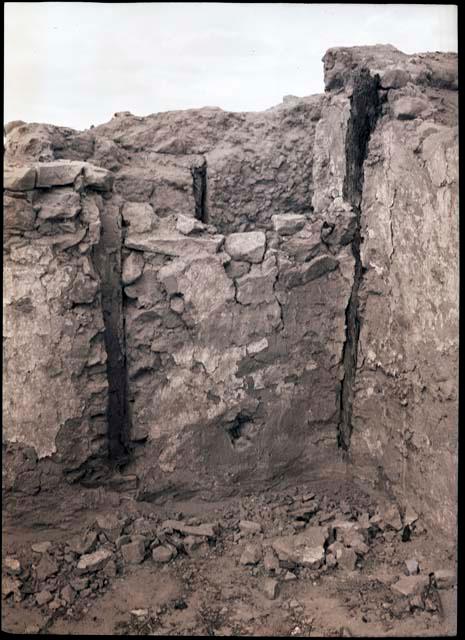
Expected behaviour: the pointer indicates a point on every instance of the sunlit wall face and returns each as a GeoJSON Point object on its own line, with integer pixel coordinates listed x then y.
{"type": "Point", "coordinates": [75, 64]}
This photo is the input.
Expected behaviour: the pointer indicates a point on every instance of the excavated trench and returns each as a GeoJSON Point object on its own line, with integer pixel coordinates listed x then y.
{"type": "Point", "coordinates": [196, 325]}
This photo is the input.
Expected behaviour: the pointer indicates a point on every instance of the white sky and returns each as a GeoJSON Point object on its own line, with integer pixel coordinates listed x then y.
{"type": "Point", "coordinates": [76, 63]}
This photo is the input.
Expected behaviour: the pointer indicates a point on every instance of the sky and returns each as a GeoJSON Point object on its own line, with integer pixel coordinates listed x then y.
{"type": "Point", "coordinates": [76, 63]}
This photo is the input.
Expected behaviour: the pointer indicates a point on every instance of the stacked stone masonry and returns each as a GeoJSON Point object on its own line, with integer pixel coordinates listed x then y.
{"type": "Point", "coordinates": [180, 290]}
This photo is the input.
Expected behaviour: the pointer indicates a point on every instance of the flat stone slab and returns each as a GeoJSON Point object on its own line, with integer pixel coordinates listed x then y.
{"type": "Point", "coordinates": [288, 223]}
{"type": "Point", "coordinates": [174, 245]}
{"type": "Point", "coordinates": [59, 173]}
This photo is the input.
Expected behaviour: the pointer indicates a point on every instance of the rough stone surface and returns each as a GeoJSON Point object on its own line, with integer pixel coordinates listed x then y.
{"type": "Point", "coordinates": [53, 329]}
{"type": "Point", "coordinates": [248, 247]}
{"type": "Point", "coordinates": [304, 549]}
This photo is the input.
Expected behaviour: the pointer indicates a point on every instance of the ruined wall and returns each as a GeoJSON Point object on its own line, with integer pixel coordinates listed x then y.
{"type": "Point", "coordinates": [258, 286]}
{"type": "Point", "coordinates": [55, 383]}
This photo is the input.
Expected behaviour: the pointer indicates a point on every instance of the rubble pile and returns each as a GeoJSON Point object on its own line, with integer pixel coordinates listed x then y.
{"type": "Point", "coordinates": [276, 539]}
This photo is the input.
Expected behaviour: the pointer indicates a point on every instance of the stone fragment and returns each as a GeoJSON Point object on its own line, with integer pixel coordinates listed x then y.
{"type": "Point", "coordinates": [289, 576]}
{"type": "Point", "coordinates": [408, 108]}
{"type": "Point", "coordinates": [68, 594]}
{"type": "Point", "coordinates": [247, 246]}
{"type": "Point", "coordinates": [412, 567]}
{"type": "Point", "coordinates": [58, 173]}
{"type": "Point", "coordinates": [248, 526]}
{"type": "Point", "coordinates": [98, 178]}
{"type": "Point", "coordinates": [12, 566]}
{"type": "Point", "coordinates": [122, 540]}
{"type": "Point", "coordinates": [46, 568]}
{"type": "Point", "coordinates": [91, 562]}
{"type": "Point", "coordinates": [84, 289]}
{"type": "Point", "coordinates": [331, 560]}
{"type": "Point", "coordinates": [308, 496]}
{"type": "Point", "coordinates": [41, 547]}
{"type": "Point", "coordinates": [236, 269]}
{"type": "Point", "coordinates": [355, 540]}
{"type": "Point", "coordinates": [410, 516]}
{"type": "Point", "coordinates": [134, 552]}
{"type": "Point", "coordinates": [287, 223]}
{"type": "Point", "coordinates": [85, 543]}
{"type": "Point", "coordinates": [58, 203]}
{"type": "Point", "coordinates": [257, 347]}
{"type": "Point", "coordinates": [163, 553]}
{"type": "Point", "coordinates": [410, 585]}
{"type": "Point", "coordinates": [343, 529]}
{"type": "Point", "coordinates": [319, 267]}
{"type": "Point", "coordinates": [187, 225]}
{"type": "Point", "coordinates": [270, 561]}
{"type": "Point", "coordinates": [79, 584]}
{"type": "Point", "coordinates": [252, 554]}
{"type": "Point", "coordinates": [110, 570]}
{"type": "Point", "coordinates": [140, 613]}
{"type": "Point", "coordinates": [336, 548]}
{"type": "Point", "coordinates": [173, 245]}
{"type": "Point", "coordinates": [18, 214]}
{"type": "Point", "coordinates": [271, 588]}
{"type": "Point", "coordinates": [416, 602]}
{"type": "Point", "coordinates": [445, 578]}
{"type": "Point", "coordinates": [305, 549]}
{"type": "Point", "coordinates": [43, 597]}
{"type": "Point", "coordinates": [11, 586]}
{"type": "Point", "coordinates": [392, 518]}
{"type": "Point", "coordinates": [110, 524]}
{"type": "Point", "coordinates": [377, 521]}
{"type": "Point", "coordinates": [55, 604]}
{"type": "Point", "coordinates": [347, 559]}
{"type": "Point", "coordinates": [394, 79]}
{"type": "Point", "coordinates": [177, 304]}
{"type": "Point", "coordinates": [19, 178]}
{"type": "Point", "coordinates": [206, 530]}
{"type": "Point", "coordinates": [256, 286]}
{"type": "Point", "coordinates": [65, 241]}
{"type": "Point", "coordinates": [191, 544]}
{"type": "Point", "coordinates": [139, 216]}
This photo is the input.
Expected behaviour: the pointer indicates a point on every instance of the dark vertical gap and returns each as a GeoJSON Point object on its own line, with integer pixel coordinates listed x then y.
{"type": "Point", "coordinates": [107, 259]}
{"type": "Point", "coordinates": [199, 185]}
{"type": "Point", "coordinates": [363, 115]}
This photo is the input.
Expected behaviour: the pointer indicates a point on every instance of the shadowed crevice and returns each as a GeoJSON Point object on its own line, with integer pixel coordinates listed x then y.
{"type": "Point", "coordinates": [364, 112]}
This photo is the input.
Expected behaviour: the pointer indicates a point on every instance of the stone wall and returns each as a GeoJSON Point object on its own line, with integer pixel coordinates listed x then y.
{"type": "Point", "coordinates": [55, 384]}
{"type": "Point", "coordinates": [276, 292]}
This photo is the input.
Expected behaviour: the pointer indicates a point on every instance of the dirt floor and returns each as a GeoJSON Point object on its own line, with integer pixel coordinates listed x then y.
{"type": "Point", "coordinates": [306, 561]}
